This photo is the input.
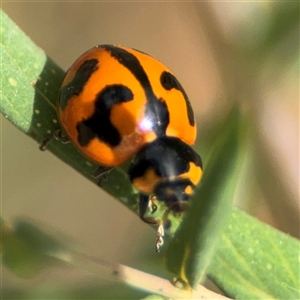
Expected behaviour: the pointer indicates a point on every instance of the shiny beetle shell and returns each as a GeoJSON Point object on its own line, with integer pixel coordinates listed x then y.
{"type": "Point", "coordinates": [114, 100]}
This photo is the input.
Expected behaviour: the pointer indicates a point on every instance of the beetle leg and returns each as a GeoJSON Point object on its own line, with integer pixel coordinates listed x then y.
{"type": "Point", "coordinates": [57, 135]}
{"type": "Point", "coordinates": [152, 205]}
{"type": "Point", "coordinates": [159, 241]}
{"type": "Point", "coordinates": [101, 172]}
{"type": "Point", "coordinates": [146, 202]}
{"type": "Point", "coordinates": [143, 206]}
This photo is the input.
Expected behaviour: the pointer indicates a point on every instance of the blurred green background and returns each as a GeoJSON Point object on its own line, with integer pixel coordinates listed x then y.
{"type": "Point", "coordinates": [222, 53]}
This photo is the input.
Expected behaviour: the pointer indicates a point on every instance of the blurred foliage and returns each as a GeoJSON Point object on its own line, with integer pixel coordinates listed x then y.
{"type": "Point", "coordinates": [255, 55]}
{"type": "Point", "coordinates": [246, 259]}
{"type": "Point", "coordinates": [192, 248]}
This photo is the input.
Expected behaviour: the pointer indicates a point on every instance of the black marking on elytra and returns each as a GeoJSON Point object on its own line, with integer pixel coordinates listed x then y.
{"type": "Point", "coordinates": [169, 81]}
{"type": "Point", "coordinates": [99, 124]}
{"type": "Point", "coordinates": [156, 109]}
{"type": "Point", "coordinates": [159, 124]}
{"type": "Point", "coordinates": [81, 77]}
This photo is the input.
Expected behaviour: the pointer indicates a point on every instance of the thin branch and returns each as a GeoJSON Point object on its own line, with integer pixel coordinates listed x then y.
{"type": "Point", "coordinates": [137, 279]}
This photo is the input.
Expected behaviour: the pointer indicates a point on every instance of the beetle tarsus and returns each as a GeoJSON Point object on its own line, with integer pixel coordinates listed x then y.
{"type": "Point", "coordinates": [57, 135]}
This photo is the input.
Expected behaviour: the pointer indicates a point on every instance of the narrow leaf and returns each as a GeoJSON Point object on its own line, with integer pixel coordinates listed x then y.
{"type": "Point", "coordinates": [255, 261]}
{"type": "Point", "coordinates": [192, 247]}
{"type": "Point", "coordinates": [28, 95]}
{"type": "Point", "coordinates": [248, 250]}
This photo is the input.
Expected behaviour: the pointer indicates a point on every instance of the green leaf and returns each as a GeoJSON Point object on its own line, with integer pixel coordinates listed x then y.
{"type": "Point", "coordinates": [29, 91]}
{"type": "Point", "coordinates": [193, 245]}
{"type": "Point", "coordinates": [21, 65]}
{"type": "Point", "coordinates": [247, 251]}
{"type": "Point", "coordinates": [255, 261]}
{"type": "Point", "coordinates": [242, 256]}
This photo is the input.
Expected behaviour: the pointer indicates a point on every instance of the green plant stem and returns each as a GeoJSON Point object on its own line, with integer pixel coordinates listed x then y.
{"type": "Point", "coordinates": [137, 279]}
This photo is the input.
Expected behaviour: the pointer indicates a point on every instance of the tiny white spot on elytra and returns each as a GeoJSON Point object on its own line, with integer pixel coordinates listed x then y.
{"type": "Point", "coordinates": [54, 121]}
{"type": "Point", "coordinates": [12, 81]}
{"type": "Point", "coordinates": [38, 124]}
{"type": "Point", "coordinates": [269, 267]}
{"type": "Point", "coordinates": [46, 83]}
{"type": "Point", "coordinates": [48, 131]}
{"type": "Point", "coordinates": [36, 111]}
{"type": "Point", "coordinates": [53, 71]}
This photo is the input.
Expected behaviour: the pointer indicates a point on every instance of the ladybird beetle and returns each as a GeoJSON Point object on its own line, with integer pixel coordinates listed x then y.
{"type": "Point", "coordinates": [117, 102]}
